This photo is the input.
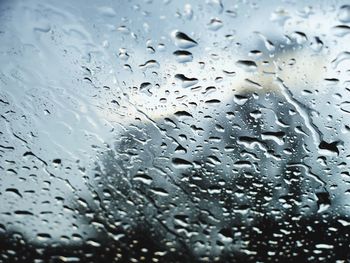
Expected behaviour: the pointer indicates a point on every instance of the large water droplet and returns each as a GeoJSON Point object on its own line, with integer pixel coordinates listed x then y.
{"type": "Point", "coordinates": [182, 40]}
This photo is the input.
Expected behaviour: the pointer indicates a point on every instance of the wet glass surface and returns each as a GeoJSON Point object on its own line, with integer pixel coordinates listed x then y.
{"type": "Point", "coordinates": [174, 131]}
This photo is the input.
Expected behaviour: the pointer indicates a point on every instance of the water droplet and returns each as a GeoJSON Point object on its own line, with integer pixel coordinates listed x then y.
{"type": "Point", "coordinates": [341, 30]}
{"type": "Point", "coordinates": [345, 55]}
{"type": "Point", "coordinates": [183, 56]}
{"type": "Point", "coordinates": [143, 178]}
{"type": "Point", "coordinates": [215, 24]}
{"type": "Point", "coordinates": [149, 64]}
{"type": "Point", "coordinates": [181, 163]}
{"type": "Point", "coordinates": [185, 81]}
{"type": "Point", "coordinates": [344, 13]}
{"type": "Point", "coordinates": [329, 148]}
{"type": "Point", "coordinates": [183, 41]}
{"type": "Point", "coordinates": [247, 65]}
{"type": "Point", "coordinates": [188, 12]}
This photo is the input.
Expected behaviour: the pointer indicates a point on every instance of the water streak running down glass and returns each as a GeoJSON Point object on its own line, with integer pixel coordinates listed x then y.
{"type": "Point", "coordinates": [174, 131]}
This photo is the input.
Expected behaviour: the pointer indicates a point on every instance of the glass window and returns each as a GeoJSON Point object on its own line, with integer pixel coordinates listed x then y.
{"type": "Point", "coordinates": [174, 131]}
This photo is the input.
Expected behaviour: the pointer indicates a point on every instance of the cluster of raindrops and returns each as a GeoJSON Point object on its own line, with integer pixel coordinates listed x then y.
{"type": "Point", "coordinates": [174, 131]}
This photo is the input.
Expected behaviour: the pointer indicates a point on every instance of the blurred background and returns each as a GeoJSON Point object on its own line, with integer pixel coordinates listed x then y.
{"type": "Point", "coordinates": [174, 131]}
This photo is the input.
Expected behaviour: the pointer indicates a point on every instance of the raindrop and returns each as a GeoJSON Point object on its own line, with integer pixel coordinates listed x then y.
{"type": "Point", "coordinates": [185, 81]}
{"type": "Point", "coordinates": [183, 114]}
{"type": "Point", "coordinates": [329, 148]}
{"type": "Point", "coordinates": [345, 55]}
{"type": "Point", "coordinates": [215, 24]}
{"type": "Point", "coordinates": [149, 64]}
{"type": "Point", "coordinates": [247, 65]}
{"type": "Point", "coordinates": [143, 178]}
{"type": "Point", "coordinates": [183, 41]}
{"type": "Point", "coordinates": [181, 163]}
{"type": "Point", "coordinates": [277, 137]}
{"type": "Point", "coordinates": [341, 30]}
{"type": "Point", "coordinates": [344, 14]}
{"type": "Point", "coordinates": [188, 12]}
{"type": "Point", "coordinates": [183, 56]}
{"type": "Point", "coordinates": [345, 106]}
{"type": "Point", "coordinates": [159, 191]}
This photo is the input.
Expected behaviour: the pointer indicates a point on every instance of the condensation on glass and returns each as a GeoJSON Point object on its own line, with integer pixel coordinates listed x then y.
{"type": "Point", "coordinates": [174, 131]}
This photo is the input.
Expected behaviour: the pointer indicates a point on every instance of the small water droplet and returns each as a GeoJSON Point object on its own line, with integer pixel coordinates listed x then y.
{"type": "Point", "coordinates": [183, 56]}
{"type": "Point", "coordinates": [344, 14]}
{"type": "Point", "coordinates": [247, 65]}
{"type": "Point", "coordinates": [215, 24]}
{"type": "Point", "coordinates": [185, 81]}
